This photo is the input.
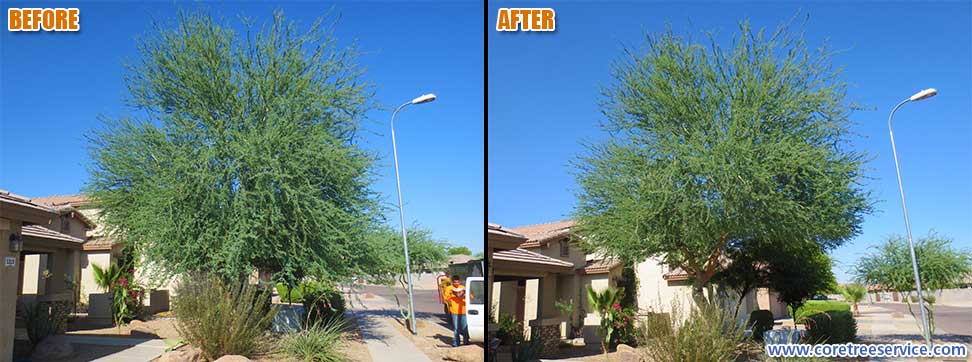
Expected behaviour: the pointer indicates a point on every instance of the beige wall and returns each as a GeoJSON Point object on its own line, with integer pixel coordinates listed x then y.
{"type": "Point", "coordinates": [89, 258]}
{"type": "Point", "coordinates": [552, 249]}
{"type": "Point", "coordinates": [657, 295]}
{"type": "Point", "coordinates": [34, 265]}
{"type": "Point", "coordinates": [8, 285]}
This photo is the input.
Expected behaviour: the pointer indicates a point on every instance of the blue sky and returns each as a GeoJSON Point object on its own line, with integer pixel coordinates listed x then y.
{"type": "Point", "coordinates": [54, 86]}
{"type": "Point", "coordinates": [544, 89]}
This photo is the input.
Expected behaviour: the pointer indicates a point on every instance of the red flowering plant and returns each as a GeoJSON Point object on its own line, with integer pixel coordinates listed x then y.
{"type": "Point", "coordinates": [127, 300]}
{"type": "Point", "coordinates": [624, 325]}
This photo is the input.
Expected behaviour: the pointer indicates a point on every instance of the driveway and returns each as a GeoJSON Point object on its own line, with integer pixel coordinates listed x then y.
{"type": "Point", "coordinates": [948, 319]}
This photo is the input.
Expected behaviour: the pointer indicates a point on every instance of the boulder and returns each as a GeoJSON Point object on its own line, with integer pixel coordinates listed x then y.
{"type": "Point", "coordinates": [233, 358]}
{"type": "Point", "coordinates": [627, 356]}
{"type": "Point", "coordinates": [53, 348]}
{"type": "Point", "coordinates": [141, 329]}
{"type": "Point", "coordinates": [470, 353]}
{"type": "Point", "coordinates": [625, 348]}
{"type": "Point", "coordinates": [186, 354]}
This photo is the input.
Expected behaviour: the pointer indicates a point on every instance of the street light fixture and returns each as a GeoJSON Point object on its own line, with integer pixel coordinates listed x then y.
{"type": "Point", "coordinates": [927, 93]}
{"type": "Point", "coordinates": [425, 98]}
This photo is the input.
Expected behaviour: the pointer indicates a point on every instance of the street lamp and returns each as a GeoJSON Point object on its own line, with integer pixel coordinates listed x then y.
{"type": "Point", "coordinates": [927, 93]}
{"type": "Point", "coordinates": [425, 98]}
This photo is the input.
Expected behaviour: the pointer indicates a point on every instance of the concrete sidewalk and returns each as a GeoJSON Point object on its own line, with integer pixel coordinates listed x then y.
{"type": "Point", "coordinates": [138, 349]}
{"type": "Point", "coordinates": [384, 342]}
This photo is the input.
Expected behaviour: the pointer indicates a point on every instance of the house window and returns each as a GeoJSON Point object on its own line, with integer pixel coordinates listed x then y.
{"type": "Point", "coordinates": [65, 226]}
{"type": "Point", "coordinates": [564, 248]}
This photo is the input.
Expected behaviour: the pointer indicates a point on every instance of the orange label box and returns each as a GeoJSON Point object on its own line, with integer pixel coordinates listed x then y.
{"type": "Point", "coordinates": [48, 19]}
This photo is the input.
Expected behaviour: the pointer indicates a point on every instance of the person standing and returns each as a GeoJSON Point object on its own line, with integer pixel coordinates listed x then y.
{"type": "Point", "coordinates": [456, 297]}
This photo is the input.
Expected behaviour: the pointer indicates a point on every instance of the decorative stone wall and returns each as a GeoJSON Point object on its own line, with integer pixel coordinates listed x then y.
{"type": "Point", "coordinates": [549, 335]}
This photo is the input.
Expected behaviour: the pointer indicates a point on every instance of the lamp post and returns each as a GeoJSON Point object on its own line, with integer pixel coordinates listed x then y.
{"type": "Point", "coordinates": [926, 332]}
{"type": "Point", "coordinates": [401, 211]}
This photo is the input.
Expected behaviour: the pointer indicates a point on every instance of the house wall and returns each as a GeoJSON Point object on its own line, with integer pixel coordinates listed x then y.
{"type": "Point", "coordinates": [657, 295]}
{"type": "Point", "coordinates": [34, 265]}
{"type": "Point", "coordinates": [89, 258]}
{"type": "Point", "coordinates": [575, 255]}
{"type": "Point", "coordinates": [9, 277]}
{"type": "Point", "coordinates": [768, 300]}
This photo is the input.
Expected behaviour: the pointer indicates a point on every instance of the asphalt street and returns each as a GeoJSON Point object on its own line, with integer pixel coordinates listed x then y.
{"type": "Point", "coordinates": [955, 320]}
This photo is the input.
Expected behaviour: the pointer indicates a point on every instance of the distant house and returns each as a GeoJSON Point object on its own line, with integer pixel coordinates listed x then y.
{"type": "Point", "coordinates": [658, 286]}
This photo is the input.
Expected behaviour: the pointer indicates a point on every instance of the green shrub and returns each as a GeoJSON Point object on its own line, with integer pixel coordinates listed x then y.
{"type": "Point", "coordinates": [42, 320]}
{"type": "Point", "coordinates": [832, 327]}
{"type": "Point", "coordinates": [323, 302]}
{"type": "Point", "coordinates": [320, 342]}
{"type": "Point", "coordinates": [706, 334]}
{"type": "Point", "coordinates": [760, 320]}
{"type": "Point", "coordinates": [222, 318]}
{"type": "Point", "coordinates": [510, 330]}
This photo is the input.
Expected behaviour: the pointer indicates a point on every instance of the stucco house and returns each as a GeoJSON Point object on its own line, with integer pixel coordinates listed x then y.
{"type": "Point", "coordinates": [39, 233]}
{"type": "Point", "coordinates": [101, 249]}
{"type": "Point", "coordinates": [658, 286]}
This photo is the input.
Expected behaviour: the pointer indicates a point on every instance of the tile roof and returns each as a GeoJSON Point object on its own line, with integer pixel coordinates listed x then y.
{"type": "Point", "coordinates": [600, 266]}
{"type": "Point", "coordinates": [38, 231]}
{"type": "Point", "coordinates": [12, 198]}
{"type": "Point", "coordinates": [526, 256]}
{"type": "Point", "coordinates": [540, 233]}
{"type": "Point", "coordinates": [499, 230]}
{"type": "Point", "coordinates": [99, 243]}
{"type": "Point", "coordinates": [72, 200]}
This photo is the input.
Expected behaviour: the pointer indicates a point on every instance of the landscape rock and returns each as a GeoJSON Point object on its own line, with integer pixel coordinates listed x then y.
{"type": "Point", "coordinates": [190, 354]}
{"type": "Point", "coordinates": [53, 348]}
{"type": "Point", "coordinates": [625, 348]}
{"type": "Point", "coordinates": [470, 353]}
{"type": "Point", "coordinates": [627, 356]}
{"type": "Point", "coordinates": [233, 358]}
{"type": "Point", "coordinates": [141, 329]}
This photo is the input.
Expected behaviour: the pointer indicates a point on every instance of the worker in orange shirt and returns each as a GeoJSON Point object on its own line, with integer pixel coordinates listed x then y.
{"type": "Point", "coordinates": [456, 297]}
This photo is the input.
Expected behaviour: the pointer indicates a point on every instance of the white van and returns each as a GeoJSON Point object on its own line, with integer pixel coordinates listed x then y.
{"type": "Point", "coordinates": [476, 308]}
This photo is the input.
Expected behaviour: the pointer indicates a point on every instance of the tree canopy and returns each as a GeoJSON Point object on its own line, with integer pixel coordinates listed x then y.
{"type": "Point", "coordinates": [385, 249]}
{"type": "Point", "coordinates": [459, 250]}
{"type": "Point", "coordinates": [713, 148]}
{"type": "Point", "coordinates": [889, 265]}
{"type": "Point", "coordinates": [244, 155]}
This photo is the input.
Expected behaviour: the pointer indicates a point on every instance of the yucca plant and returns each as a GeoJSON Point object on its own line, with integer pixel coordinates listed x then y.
{"type": "Point", "coordinates": [854, 293]}
{"type": "Point", "coordinates": [602, 303]}
{"type": "Point", "coordinates": [320, 342]}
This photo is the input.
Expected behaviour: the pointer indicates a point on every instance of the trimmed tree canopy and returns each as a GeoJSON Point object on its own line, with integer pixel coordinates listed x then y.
{"type": "Point", "coordinates": [245, 159]}
{"type": "Point", "coordinates": [711, 148]}
{"type": "Point", "coordinates": [889, 264]}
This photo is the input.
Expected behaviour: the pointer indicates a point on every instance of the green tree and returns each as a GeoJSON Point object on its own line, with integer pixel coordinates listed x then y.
{"type": "Point", "coordinates": [245, 156]}
{"type": "Point", "coordinates": [459, 250]}
{"type": "Point", "coordinates": [940, 266]}
{"type": "Point", "coordinates": [854, 293]}
{"type": "Point", "coordinates": [800, 271]}
{"type": "Point", "coordinates": [713, 147]}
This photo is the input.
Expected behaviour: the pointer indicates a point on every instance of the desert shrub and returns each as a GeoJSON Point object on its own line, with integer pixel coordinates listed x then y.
{"type": "Point", "coordinates": [323, 302]}
{"type": "Point", "coordinates": [222, 318]}
{"type": "Point", "coordinates": [510, 330]}
{"type": "Point", "coordinates": [833, 327]}
{"type": "Point", "coordinates": [706, 334]}
{"type": "Point", "coordinates": [320, 342]}
{"type": "Point", "coordinates": [42, 320]}
{"type": "Point", "coordinates": [760, 320]}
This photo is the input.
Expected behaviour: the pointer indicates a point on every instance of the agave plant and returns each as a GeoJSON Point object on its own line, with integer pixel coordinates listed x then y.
{"type": "Point", "coordinates": [602, 303]}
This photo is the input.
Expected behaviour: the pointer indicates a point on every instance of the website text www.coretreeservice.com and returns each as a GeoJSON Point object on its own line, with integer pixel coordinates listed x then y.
{"type": "Point", "coordinates": [946, 350]}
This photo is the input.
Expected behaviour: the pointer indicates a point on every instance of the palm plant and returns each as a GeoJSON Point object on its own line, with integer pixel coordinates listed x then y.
{"type": "Point", "coordinates": [855, 293]}
{"type": "Point", "coordinates": [105, 278]}
{"type": "Point", "coordinates": [602, 303]}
